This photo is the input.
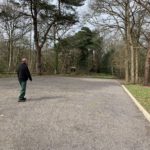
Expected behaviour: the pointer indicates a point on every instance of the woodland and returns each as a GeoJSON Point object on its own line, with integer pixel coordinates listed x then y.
{"type": "Point", "coordinates": [64, 37]}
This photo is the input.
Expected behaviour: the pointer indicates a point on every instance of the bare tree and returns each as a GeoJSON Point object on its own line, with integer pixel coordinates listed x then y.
{"type": "Point", "coordinates": [146, 6]}
{"type": "Point", "coordinates": [125, 17]}
{"type": "Point", "coordinates": [14, 27]}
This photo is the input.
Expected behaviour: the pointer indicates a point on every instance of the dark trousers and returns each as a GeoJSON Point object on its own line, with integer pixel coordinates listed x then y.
{"type": "Point", "coordinates": [23, 88]}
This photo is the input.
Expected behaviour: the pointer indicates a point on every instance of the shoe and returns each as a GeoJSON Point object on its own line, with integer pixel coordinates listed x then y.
{"type": "Point", "coordinates": [22, 100]}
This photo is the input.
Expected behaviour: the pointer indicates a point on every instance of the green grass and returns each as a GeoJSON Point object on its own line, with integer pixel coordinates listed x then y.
{"type": "Point", "coordinates": [103, 76]}
{"type": "Point", "coordinates": [142, 94]}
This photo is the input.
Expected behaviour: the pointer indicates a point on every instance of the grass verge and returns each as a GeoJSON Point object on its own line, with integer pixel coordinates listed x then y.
{"type": "Point", "coordinates": [142, 94]}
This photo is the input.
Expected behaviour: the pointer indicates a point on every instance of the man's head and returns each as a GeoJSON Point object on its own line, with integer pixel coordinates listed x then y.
{"type": "Point", "coordinates": [24, 60]}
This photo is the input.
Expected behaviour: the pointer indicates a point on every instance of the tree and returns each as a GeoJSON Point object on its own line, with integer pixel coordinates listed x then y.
{"type": "Point", "coordinates": [146, 6]}
{"type": "Point", "coordinates": [127, 18]}
{"type": "Point", "coordinates": [44, 15]}
{"type": "Point", "coordinates": [84, 49]}
{"type": "Point", "coordinates": [14, 27]}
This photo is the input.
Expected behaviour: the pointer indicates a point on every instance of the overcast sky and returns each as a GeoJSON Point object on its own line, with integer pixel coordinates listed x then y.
{"type": "Point", "coordinates": [84, 8]}
{"type": "Point", "coordinates": [81, 10]}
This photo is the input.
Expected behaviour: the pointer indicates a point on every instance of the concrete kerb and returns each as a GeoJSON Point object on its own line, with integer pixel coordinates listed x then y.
{"type": "Point", "coordinates": [140, 107]}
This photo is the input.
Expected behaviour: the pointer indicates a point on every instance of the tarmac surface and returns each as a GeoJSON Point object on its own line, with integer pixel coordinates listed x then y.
{"type": "Point", "coordinates": [70, 114]}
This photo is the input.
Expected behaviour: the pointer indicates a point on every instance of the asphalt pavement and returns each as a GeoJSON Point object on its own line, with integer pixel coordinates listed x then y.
{"type": "Point", "coordinates": [70, 114]}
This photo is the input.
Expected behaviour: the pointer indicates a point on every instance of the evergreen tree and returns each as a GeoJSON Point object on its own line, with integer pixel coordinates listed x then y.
{"type": "Point", "coordinates": [89, 46]}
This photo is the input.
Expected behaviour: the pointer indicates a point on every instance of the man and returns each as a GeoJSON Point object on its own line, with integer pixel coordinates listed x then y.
{"type": "Point", "coordinates": [23, 75]}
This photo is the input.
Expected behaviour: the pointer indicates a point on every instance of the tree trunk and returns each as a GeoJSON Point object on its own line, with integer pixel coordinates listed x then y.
{"type": "Point", "coordinates": [127, 63]}
{"type": "Point", "coordinates": [56, 61]}
{"type": "Point", "coordinates": [30, 50]}
{"type": "Point", "coordinates": [136, 65]}
{"type": "Point", "coordinates": [147, 68]}
{"type": "Point", "coordinates": [56, 50]}
{"type": "Point", "coordinates": [34, 13]}
{"type": "Point", "coordinates": [39, 61]}
{"type": "Point", "coordinates": [132, 61]}
{"type": "Point", "coordinates": [38, 48]}
{"type": "Point", "coordinates": [127, 31]}
{"type": "Point", "coordinates": [10, 55]}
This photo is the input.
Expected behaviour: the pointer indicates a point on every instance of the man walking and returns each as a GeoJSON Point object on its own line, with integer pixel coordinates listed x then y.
{"type": "Point", "coordinates": [23, 75]}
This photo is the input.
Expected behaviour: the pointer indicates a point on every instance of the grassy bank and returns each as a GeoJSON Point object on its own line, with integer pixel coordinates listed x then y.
{"type": "Point", "coordinates": [79, 75]}
{"type": "Point", "coordinates": [142, 94]}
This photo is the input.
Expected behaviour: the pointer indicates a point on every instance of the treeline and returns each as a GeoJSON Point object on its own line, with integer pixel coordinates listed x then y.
{"type": "Point", "coordinates": [39, 23]}
{"type": "Point", "coordinates": [129, 20]}
{"type": "Point", "coordinates": [39, 30]}
{"type": "Point", "coordinates": [82, 52]}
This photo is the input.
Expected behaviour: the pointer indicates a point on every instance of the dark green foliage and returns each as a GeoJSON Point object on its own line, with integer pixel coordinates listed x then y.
{"type": "Point", "coordinates": [50, 12]}
{"type": "Point", "coordinates": [72, 2]}
{"type": "Point", "coordinates": [84, 42]}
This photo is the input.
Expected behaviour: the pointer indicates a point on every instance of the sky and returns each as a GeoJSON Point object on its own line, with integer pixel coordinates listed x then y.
{"type": "Point", "coordinates": [85, 7]}
{"type": "Point", "coordinates": [81, 11]}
